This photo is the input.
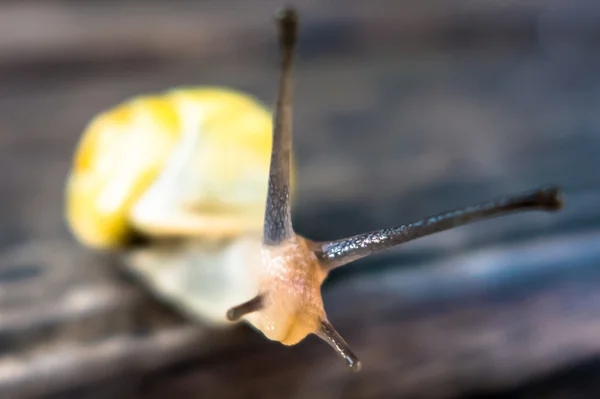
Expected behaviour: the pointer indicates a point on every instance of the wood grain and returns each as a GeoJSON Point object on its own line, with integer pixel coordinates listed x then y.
{"type": "Point", "coordinates": [402, 111]}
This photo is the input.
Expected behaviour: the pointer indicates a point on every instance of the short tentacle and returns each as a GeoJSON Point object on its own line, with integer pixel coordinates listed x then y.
{"type": "Point", "coordinates": [328, 334]}
{"type": "Point", "coordinates": [243, 309]}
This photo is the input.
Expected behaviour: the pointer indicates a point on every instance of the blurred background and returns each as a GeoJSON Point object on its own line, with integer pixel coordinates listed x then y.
{"type": "Point", "coordinates": [403, 109]}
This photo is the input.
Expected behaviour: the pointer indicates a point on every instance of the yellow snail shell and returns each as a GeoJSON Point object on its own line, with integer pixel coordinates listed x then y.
{"type": "Point", "coordinates": [193, 165]}
{"type": "Point", "coordinates": [190, 163]}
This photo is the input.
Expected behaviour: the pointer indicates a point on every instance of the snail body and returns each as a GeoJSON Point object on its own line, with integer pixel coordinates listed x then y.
{"type": "Point", "coordinates": [202, 278]}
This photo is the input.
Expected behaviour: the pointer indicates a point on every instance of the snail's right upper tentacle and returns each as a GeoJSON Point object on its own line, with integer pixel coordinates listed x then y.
{"type": "Point", "coordinates": [278, 221]}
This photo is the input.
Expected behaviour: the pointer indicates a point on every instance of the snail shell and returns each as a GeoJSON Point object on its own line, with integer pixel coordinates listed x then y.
{"type": "Point", "coordinates": [188, 165]}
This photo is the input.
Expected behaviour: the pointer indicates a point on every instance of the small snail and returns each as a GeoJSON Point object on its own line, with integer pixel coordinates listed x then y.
{"type": "Point", "coordinates": [218, 253]}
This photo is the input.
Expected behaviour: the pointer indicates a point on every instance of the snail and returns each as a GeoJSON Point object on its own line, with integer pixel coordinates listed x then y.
{"type": "Point", "coordinates": [223, 248]}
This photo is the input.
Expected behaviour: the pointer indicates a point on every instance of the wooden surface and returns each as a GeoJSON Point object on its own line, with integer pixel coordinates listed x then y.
{"type": "Point", "coordinates": [402, 111]}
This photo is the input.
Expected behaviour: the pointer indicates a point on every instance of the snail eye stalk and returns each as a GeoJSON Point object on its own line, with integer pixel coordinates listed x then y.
{"type": "Point", "coordinates": [278, 221]}
{"type": "Point", "coordinates": [337, 253]}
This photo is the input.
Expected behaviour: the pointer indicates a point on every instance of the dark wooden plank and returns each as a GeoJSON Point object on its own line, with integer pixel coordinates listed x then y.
{"type": "Point", "coordinates": [387, 131]}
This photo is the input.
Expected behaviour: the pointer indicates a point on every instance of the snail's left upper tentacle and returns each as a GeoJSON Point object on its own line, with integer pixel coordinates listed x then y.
{"type": "Point", "coordinates": [337, 253]}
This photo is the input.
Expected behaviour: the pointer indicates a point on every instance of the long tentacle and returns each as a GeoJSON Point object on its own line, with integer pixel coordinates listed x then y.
{"type": "Point", "coordinates": [278, 221]}
{"type": "Point", "coordinates": [340, 252]}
